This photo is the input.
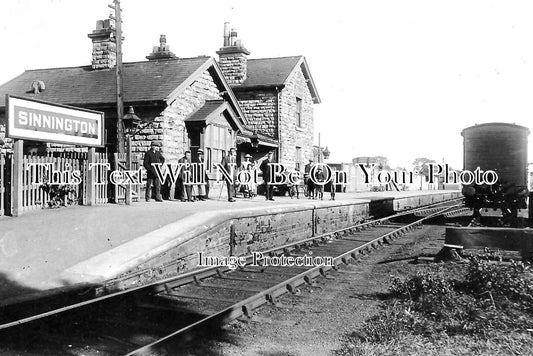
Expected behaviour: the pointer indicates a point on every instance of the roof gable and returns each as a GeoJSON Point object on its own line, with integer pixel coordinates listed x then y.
{"type": "Point", "coordinates": [202, 114]}
{"type": "Point", "coordinates": [220, 81]}
{"type": "Point", "coordinates": [211, 112]}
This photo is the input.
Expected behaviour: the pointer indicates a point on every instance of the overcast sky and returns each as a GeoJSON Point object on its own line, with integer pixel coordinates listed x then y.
{"type": "Point", "coordinates": [397, 78]}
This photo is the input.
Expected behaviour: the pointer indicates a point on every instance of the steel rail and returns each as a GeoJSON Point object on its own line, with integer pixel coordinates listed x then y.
{"type": "Point", "coordinates": [270, 294]}
{"type": "Point", "coordinates": [196, 275]}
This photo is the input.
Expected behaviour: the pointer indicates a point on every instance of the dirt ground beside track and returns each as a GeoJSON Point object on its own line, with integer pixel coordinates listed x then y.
{"type": "Point", "coordinates": [316, 321]}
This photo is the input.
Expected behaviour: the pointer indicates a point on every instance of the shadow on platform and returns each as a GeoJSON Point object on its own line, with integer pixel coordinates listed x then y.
{"type": "Point", "coordinates": [9, 289]}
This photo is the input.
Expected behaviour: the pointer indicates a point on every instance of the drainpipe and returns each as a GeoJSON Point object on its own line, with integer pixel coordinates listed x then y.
{"type": "Point", "coordinates": [278, 121]}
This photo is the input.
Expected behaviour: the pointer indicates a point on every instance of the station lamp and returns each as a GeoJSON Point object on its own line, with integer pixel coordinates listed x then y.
{"type": "Point", "coordinates": [130, 120]}
{"type": "Point", "coordinates": [326, 153]}
{"type": "Point", "coordinates": [254, 140]}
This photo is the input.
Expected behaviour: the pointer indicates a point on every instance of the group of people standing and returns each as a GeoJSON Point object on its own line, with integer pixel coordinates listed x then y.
{"type": "Point", "coordinates": [200, 191]}
{"type": "Point", "coordinates": [314, 188]}
{"type": "Point", "coordinates": [249, 188]}
{"type": "Point", "coordinates": [189, 192]}
{"type": "Point", "coordinates": [183, 191]}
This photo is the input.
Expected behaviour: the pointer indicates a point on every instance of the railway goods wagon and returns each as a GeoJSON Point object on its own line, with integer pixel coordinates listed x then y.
{"type": "Point", "coordinates": [502, 148]}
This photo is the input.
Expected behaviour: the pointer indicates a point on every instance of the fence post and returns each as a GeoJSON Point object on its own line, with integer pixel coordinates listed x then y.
{"type": "Point", "coordinates": [17, 177]}
{"type": "Point", "coordinates": [128, 167]}
{"type": "Point", "coordinates": [2, 183]}
{"type": "Point", "coordinates": [91, 186]}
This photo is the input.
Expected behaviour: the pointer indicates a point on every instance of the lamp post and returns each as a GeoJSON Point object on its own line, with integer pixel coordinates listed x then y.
{"type": "Point", "coordinates": [118, 75]}
{"type": "Point", "coordinates": [322, 153]}
{"type": "Point", "coordinates": [132, 125]}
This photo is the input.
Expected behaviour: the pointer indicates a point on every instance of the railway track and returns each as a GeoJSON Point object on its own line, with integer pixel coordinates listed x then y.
{"type": "Point", "coordinates": [149, 319]}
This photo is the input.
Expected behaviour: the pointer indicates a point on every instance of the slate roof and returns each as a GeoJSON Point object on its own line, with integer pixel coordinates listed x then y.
{"type": "Point", "coordinates": [270, 72]}
{"type": "Point", "coordinates": [142, 81]}
{"type": "Point", "coordinates": [206, 110]}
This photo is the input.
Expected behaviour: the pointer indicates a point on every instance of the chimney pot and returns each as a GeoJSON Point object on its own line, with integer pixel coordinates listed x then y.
{"type": "Point", "coordinates": [233, 57]}
{"type": "Point", "coordinates": [233, 37]}
{"type": "Point", "coordinates": [226, 34]}
{"type": "Point", "coordinates": [162, 51]}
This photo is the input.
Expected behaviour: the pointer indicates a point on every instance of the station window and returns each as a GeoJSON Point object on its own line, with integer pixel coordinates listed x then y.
{"type": "Point", "coordinates": [209, 160]}
{"type": "Point", "coordinates": [217, 140]}
{"type": "Point", "coordinates": [298, 158]}
{"type": "Point", "coordinates": [298, 112]}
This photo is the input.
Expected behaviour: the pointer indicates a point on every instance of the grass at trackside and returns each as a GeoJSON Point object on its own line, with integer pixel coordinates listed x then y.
{"type": "Point", "coordinates": [477, 307]}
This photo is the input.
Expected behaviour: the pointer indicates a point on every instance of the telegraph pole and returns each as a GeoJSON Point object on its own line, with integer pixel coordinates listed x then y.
{"type": "Point", "coordinates": [118, 67]}
{"type": "Point", "coordinates": [319, 150]}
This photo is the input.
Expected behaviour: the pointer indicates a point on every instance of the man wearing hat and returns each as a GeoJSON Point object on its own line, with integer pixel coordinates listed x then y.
{"type": "Point", "coordinates": [229, 162]}
{"type": "Point", "coordinates": [153, 155]}
{"type": "Point", "coordinates": [265, 169]}
{"type": "Point", "coordinates": [307, 169]}
{"type": "Point", "coordinates": [247, 161]}
{"type": "Point", "coordinates": [320, 178]}
{"type": "Point", "coordinates": [201, 169]}
{"type": "Point", "coordinates": [184, 178]}
{"type": "Point", "coordinates": [247, 165]}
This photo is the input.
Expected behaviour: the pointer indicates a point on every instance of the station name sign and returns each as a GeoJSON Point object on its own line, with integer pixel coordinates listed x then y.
{"type": "Point", "coordinates": [37, 120]}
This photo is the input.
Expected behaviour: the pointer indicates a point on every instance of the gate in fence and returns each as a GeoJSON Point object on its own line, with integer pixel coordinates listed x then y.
{"type": "Point", "coordinates": [38, 171]}
{"type": "Point", "coordinates": [121, 189]}
{"type": "Point", "coordinates": [5, 172]}
{"type": "Point", "coordinates": [29, 182]}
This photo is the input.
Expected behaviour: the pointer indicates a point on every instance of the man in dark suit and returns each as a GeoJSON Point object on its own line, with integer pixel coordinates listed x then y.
{"type": "Point", "coordinates": [201, 169]}
{"type": "Point", "coordinates": [229, 163]}
{"type": "Point", "coordinates": [184, 178]}
{"type": "Point", "coordinates": [265, 169]}
{"type": "Point", "coordinates": [308, 186]}
{"type": "Point", "coordinates": [153, 155]}
{"type": "Point", "coordinates": [320, 178]}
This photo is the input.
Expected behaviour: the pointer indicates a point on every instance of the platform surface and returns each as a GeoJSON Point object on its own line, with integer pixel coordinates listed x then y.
{"type": "Point", "coordinates": [37, 247]}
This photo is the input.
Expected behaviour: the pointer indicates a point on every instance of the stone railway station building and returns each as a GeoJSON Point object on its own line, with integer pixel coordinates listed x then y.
{"type": "Point", "coordinates": [256, 105]}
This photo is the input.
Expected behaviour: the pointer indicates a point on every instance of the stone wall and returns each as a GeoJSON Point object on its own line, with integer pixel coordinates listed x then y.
{"type": "Point", "coordinates": [263, 232]}
{"type": "Point", "coordinates": [234, 67]}
{"type": "Point", "coordinates": [410, 202]}
{"type": "Point", "coordinates": [173, 249]}
{"type": "Point", "coordinates": [104, 54]}
{"type": "Point", "coordinates": [241, 234]}
{"type": "Point", "coordinates": [169, 126]}
{"type": "Point", "coordinates": [180, 259]}
{"type": "Point", "coordinates": [292, 136]}
{"type": "Point", "coordinates": [260, 109]}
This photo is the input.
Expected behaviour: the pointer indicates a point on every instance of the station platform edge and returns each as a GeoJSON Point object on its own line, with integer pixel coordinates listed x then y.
{"type": "Point", "coordinates": [119, 247]}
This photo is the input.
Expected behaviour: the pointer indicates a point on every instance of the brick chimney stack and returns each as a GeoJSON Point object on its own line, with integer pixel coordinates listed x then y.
{"type": "Point", "coordinates": [233, 57]}
{"type": "Point", "coordinates": [161, 52]}
{"type": "Point", "coordinates": [104, 45]}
